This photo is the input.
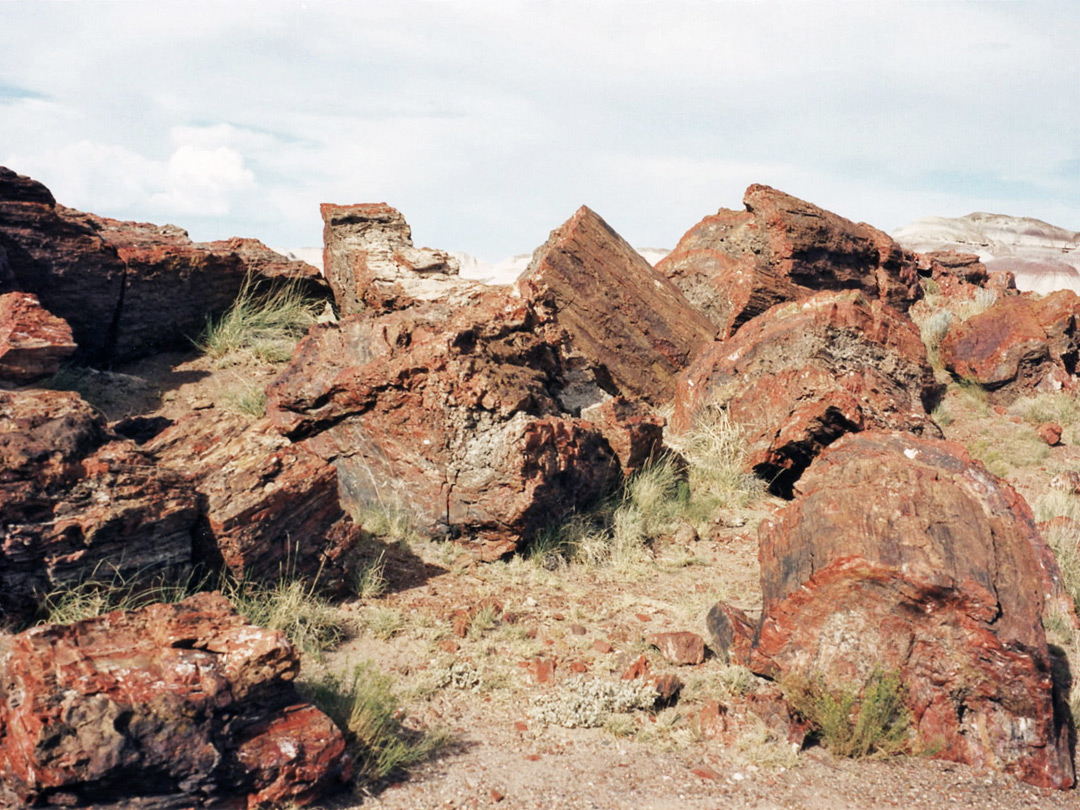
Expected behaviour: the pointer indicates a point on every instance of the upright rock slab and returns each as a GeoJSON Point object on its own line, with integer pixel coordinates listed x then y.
{"type": "Point", "coordinates": [632, 326]}
{"type": "Point", "coordinates": [270, 507]}
{"type": "Point", "coordinates": [1020, 345]}
{"type": "Point", "coordinates": [735, 265]}
{"type": "Point", "coordinates": [77, 503]}
{"type": "Point", "coordinates": [33, 341]}
{"type": "Point", "coordinates": [169, 706]}
{"type": "Point", "coordinates": [450, 411]}
{"type": "Point", "coordinates": [802, 374]}
{"type": "Point", "coordinates": [371, 263]}
{"type": "Point", "coordinates": [904, 554]}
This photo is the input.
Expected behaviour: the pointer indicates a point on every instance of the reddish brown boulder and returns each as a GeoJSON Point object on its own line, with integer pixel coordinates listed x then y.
{"type": "Point", "coordinates": [635, 433]}
{"type": "Point", "coordinates": [1019, 345]}
{"type": "Point", "coordinates": [953, 271]}
{"type": "Point", "coordinates": [372, 265]}
{"type": "Point", "coordinates": [805, 373]}
{"type": "Point", "coordinates": [903, 554]}
{"type": "Point", "coordinates": [449, 411]}
{"type": "Point", "coordinates": [732, 633]}
{"type": "Point", "coordinates": [167, 706]}
{"type": "Point", "coordinates": [77, 503]}
{"type": "Point", "coordinates": [1049, 432]}
{"type": "Point", "coordinates": [681, 648]}
{"type": "Point", "coordinates": [127, 289]}
{"type": "Point", "coordinates": [270, 508]}
{"type": "Point", "coordinates": [33, 342]}
{"type": "Point", "coordinates": [632, 326]}
{"type": "Point", "coordinates": [734, 265]}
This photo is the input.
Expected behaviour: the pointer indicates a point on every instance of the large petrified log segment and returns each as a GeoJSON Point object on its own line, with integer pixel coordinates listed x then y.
{"type": "Point", "coordinates": [734, 265]}
{"type": "Point", "coordinates": [448, 411]}
{"type": "Point", "coordinates": [33, 342]}
{"type": "Point", "coordinates": [1019, 345]}
{"type": "Point", "coordinates": [802, 374]}
{"type": "Point", "coordinates": [76, 503]}
{"type": "Point", "coordinates": [904, 554]}
{"type": "Point", "coordinates": [270, 507]}
{"type": "Point", "coordinates": [372, 265]}
{"type": "Point", "coordinates": [626, 319]}
{"type": "Point", "coordinates": [128, 289]}
{"type": "Point", "coordinates": [167, 706]}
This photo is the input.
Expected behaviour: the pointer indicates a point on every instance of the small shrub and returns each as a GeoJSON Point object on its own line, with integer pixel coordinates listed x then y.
{"type": "Point", "coordinates": [580, 702]}
{"type": "Point", "coordinates": [877, 723]}
{"type": "Point", "coordinates": [294, 608]}
{"type": "Point", "coordinates": [363, 705]}
{"type": "Point", "coordinates": [263, 322]}
{"type": "Point", "coordinates": [461, 674]}
{"type": "Point", "coordinates": [982, 300]}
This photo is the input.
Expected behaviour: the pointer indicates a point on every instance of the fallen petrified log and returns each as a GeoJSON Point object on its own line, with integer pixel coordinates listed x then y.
{"type": "Point", "coordinates": [78, 503]}
{"type": "Point", "coordinates": [1020, 345]}
{"type": "Point", "coordinates": [169, 706]}
{"type": "Point", "coordinates": [33, 341]}
{"type": "Point", "coordinates": [802, 374]}
{"type": "Point", "coordinates": [903, 554]}
{"type": "Point", "coordinates": [734, 265]}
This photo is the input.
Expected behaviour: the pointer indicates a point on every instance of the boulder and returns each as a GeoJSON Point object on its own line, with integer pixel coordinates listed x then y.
{"type": "Point", "coordinates": [33, 342]}
{"type": "Point", "coordinates": [735, 265]}
{"type": "Point", "coordinates": [1020, 345]}
{"type": "Point", "coordinates": [632, 327]}
{"type": "Point", "coordinates": [78, 503]}
{"type": "Point", "coordinates": [634, 431]}
{"type": "Point", "coordinates": [372, 266]}
{"type": "Point", "coordinates": [449, 411]}
{"type": "Point", "coordinates": [270, 508]}
{"type": "Point", "coordinates": [182, 705]}
{"type": "Point", "coordinates": [903, 554]}
{"type": "Point", "coordinates": [128, 289]}
{"type": "Point", "coordinates": [953, 270]}
{"type": "Point", "coordinates": [802, 374]}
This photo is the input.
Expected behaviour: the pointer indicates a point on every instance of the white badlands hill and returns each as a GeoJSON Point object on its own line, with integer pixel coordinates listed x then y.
{"type": "Point", "coordinates": [1043, 257]}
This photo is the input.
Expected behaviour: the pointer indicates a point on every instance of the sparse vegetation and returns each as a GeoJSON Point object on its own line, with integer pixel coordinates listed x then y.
{"type": "Point", "coordinates": [873, 723]}
{"type": "Point", "coordinates": [581, 702]}
{"type": "Point", "coordinates": [371, 578]}
{"type": "Point", "coordinates": [98, 595]}
{"type": "Point", "coordinates": [363, 705]}
{"type": "Point", "coordinates": [265, 323]}
{"type": "Point", "coordinates": [294, 608]}
{"type": "Point", "coordinates": [245, 397]}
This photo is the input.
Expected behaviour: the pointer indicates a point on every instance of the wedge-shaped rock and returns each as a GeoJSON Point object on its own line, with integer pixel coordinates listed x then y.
{"type": "Point", "coordinates": [169, 706]}
{"type": "Point", "coordinates": [801, 375]}
{"type": "Point", "coordinates": [77, 503]}
{"type": "Point", "coordinates": [270, 507]}
{"type": "Point", "coordinates": [372, 265]}
{"type": "Point", "coordinates": [449, 411]}
{"type": "Point", "coordinates": [903, 554]}
{"type": "Point", "coordinates": [736, 264]}
{"type": "Point", "coordinates": [1019, 345]}
{"type": "Point", "coordinates": [33, 342]}
{"type": "Point", "coordinates": [630, 324]}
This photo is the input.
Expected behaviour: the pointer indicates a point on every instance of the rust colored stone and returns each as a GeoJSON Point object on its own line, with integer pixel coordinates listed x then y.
{"type": "Point", "coordinates": [33, 342]}
{"type": "Point", "coordinates": [904, 554]}
{"type": "Point", "coordinates": [181, 704]}
{"type": "Point", "coordinates": [735, 265]}
{"type": "Point", "coordinates": [1049, 432]}
{"type": "Point", "coordinates": [638, 669]}
{"type": "Point", "coordinates": [542, 670]}
{"type": "Point", "coordinates": [681, 648]}
{"type": "Point", "coordinates": [732, 634]}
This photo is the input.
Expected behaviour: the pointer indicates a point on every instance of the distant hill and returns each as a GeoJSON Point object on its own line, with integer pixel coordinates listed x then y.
{"type": "Point", "coordinates": [1044, 257]}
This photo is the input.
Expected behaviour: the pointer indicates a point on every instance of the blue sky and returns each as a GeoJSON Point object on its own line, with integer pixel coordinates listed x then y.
{"type": "Point", "coordinates": [488, 123]}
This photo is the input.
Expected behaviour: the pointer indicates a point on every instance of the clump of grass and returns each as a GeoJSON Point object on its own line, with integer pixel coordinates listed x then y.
{"type": "Point", "coordinates": [387, 520]}
{"type": "Point", "coordinates": [363, 705]}
{"type": "Point", "coordinates": [248, 398]}
{"type": "Point", "coordinates": [758, 744]}
{"type": "Point", "coordinates": [371, 578]}
{"type": "Point", "coordinates": [982, 299]}
{"type": "Point", "coordinates": [933, 330]}
{"type": "Point", "coordinates": [294, 608]}
{"type": "Point", "coordinates": [384, 623]}
{"type": "Point", "coordinates": [873, 723]}
{"type": "Point", "coordinates": [1059, 407]}
{"type": "Point", "coordinates": [264, 322]}
{"type": "Point", "coordinates": [98, 596]}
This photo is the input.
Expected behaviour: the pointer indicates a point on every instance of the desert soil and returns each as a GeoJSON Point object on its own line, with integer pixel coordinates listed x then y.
{"type": "Point", "coordinates": [499, 755]}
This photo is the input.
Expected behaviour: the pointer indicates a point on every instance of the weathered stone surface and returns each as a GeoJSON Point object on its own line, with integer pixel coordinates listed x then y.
{"type": "Point", "coordinates": [169, 703]}
{"type": "Point", "coordinates": [635, 433]}
{"type": "Point", "coordinates": [270, 507]}
{"type": "Point", "coordinates": [682, 648]}
{"type": "Point", "coordinates": [33, 342]}
{"type": "Point", "coordinates": [904, 554]}
{"type": "Point", "coordinates": [735, 265]}
{"type": "Point", "coordinates": [952, 270]}
{"type": "Point", "coordinates": [78, 503]}
{"type": "Point", "coordinates": [127, 289]}
{"type": "Point", "coordinates": [632, 326]}
{"type": "Point", "coordinates": [801, 375]}
{"type": "Point", "coordinates": [1019, 345]}
{"type": "Point", "coordinates": [1049, 432]}
{"type": "Point", "coordinates": [449, 411]}
{"type": "Point", "coordinates": [372, 266]}
{"type": "Point", "coordinates": [732, 633]}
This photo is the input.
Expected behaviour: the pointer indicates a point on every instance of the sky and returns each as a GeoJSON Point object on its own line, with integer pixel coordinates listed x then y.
{"type": "Point", "coordinates": [488, 123]}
